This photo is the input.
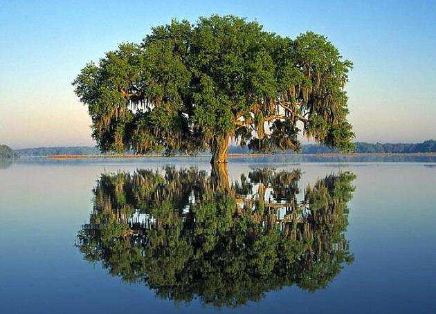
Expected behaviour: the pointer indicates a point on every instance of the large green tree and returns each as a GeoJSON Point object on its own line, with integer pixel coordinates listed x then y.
{"type": "Point", "coordinates": [191, 87]}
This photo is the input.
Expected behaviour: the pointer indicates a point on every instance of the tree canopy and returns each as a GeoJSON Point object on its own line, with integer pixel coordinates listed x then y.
{"type": "Point", "coordinates": [7, 153]}
{"type": "Point", "coordinates": [189, 87]}
{"type": "Point", "coordinates": [183, 237]}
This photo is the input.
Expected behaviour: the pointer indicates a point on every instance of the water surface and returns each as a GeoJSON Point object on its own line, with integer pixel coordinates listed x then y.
{"type": "Point", "coordinates": [283, 235]}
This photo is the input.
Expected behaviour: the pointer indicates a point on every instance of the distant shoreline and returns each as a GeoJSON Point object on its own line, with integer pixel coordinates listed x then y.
{"type": "Point", "coordinates": [71, 152]}
{"type": "Point", "coordinates": [67, 157]}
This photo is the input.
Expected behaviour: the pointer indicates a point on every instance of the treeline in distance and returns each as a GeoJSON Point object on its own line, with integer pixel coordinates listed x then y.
{"type": "Point", "coordinates": [361, 147]}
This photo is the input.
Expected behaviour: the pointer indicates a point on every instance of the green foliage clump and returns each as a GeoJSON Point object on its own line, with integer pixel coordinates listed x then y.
{"type": "Point", "coordinates": [49, 151]}
{"type": "Point", "coordinates": [424, 147]}
{"type": "Point", "coordinates": [378, 148]}
{"type": "Point", "coordinates": [189, 87]}
{"type": "Point", "coordinates": [7, 153]}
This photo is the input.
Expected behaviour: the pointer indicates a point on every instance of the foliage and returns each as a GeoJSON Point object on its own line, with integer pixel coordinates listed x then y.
{"type": "Point", "coordinates": [188, 87]}
{"type": "Point", "coordinates": [7, 153]}
{"type": "Point", "coordinates": [48, 151]}
{"type": "Point", "coordinates": [184, 238]}
{"type": "Point", "coordinates": [362, 147]}
{"type": "Point", "coordinates": [424, 147]}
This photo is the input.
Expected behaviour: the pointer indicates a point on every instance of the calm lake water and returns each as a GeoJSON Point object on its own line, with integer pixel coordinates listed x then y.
{"type": "Point", "coordinates": [275, 235]}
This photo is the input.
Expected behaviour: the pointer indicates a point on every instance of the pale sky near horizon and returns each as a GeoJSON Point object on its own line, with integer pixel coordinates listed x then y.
{"type": "Point", "coordinates": [44, 44]}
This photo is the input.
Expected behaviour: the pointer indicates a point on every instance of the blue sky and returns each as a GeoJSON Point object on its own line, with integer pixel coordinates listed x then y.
{"type": "Point", "coordinates": [44, 44]}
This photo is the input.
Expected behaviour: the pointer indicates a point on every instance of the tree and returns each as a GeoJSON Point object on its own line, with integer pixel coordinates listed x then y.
{"type": "Point", "coordinates": [175, 232]}
{"type": "Point", "coordinates": [7, 153]}
{"type": "Point", "coordinates": [191, 87]}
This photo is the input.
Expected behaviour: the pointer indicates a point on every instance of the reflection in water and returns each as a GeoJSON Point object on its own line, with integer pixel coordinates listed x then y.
{"type": "Point", "coordinates": [190, 235]}
{"type": "Point", "coordinates": [5, 163]}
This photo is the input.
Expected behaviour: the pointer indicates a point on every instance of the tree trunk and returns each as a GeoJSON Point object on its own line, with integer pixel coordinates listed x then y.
{"type": "Point", "coordinates": [220, 147]}
{"type": "Point", "coordinates": [220, 177]}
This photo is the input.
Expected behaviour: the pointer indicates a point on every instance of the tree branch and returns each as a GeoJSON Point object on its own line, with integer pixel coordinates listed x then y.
{"type": "Point", "coordinates": [291, 111]}
{"type": "Point", "coordinates": [128, 96]}
{"type": "Point", "coordinates": [275, 117]}
{"type": "Point", "coordinates": [244, 123]}
{"type": "Point", "coordinates": [284, 105]}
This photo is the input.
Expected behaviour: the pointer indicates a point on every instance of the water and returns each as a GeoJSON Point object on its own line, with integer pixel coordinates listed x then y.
{"type": "Point", "coordinates": [135, 236]}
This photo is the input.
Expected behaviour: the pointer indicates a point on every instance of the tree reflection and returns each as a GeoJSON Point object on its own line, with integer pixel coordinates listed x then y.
{"type": "Point", "coordinates": [5, 163]}
{"type": "Point", "coordinates": [190, 235]}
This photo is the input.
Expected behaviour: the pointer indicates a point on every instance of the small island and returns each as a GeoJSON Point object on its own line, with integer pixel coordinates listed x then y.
{"type": "Point", "coordinates": [7, 153]}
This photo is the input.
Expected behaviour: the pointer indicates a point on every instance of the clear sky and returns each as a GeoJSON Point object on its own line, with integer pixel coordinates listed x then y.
{"type": "Point", "coordinates": [44, 44]}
